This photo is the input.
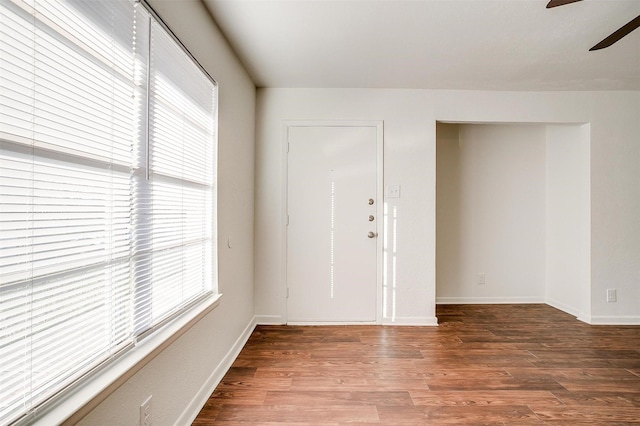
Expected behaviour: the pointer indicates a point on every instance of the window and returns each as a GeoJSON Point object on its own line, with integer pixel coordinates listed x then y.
{"type": "Point", "coordinates": [107, 189]}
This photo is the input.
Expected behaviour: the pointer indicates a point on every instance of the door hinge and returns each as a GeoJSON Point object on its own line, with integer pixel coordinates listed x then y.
{"type": "Point", "coordinates": [287, 219]}
{"type": "Point", "coordinates": [288, 146]}
{"type": "Point", "coordinates": [287, 292]}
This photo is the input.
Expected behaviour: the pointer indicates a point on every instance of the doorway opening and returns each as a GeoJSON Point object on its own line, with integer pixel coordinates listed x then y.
{"type": "Point", "coordinates": [513, 214]}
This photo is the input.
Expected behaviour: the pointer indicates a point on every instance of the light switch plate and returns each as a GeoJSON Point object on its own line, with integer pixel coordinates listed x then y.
{"type": "Point", "coordinates": [393, 191]}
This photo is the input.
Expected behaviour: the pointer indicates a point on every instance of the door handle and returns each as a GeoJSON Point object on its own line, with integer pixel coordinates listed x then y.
{"type": "Point", "coordinates": [372, 234]}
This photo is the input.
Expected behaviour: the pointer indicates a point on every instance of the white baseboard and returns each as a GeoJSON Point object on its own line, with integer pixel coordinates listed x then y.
{"type": "Point", "coordinates": [191, 411]}
{"type": "Point", "coordinates": [487, 300]}
{"type": "Point", "coordinates": [615, 320]}
{"type": "Point", "coordinates": [329, 323]}
{"type": "Point", "coordinates": [400, 321]}
{"type": "Point", "coordinates": [584, 318]}
{"type": "Point", "coordinates": [270, 320]}
{"type": "Point", "coordinates": [411, 321]}
{"type": "Point", "coordinates": [416, 321]}
{"type": "Point", "coordinates": [566, 308]}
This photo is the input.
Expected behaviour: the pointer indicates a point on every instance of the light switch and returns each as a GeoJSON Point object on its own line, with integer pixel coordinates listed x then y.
{"type": "Point", "coordinates": [393, 191]}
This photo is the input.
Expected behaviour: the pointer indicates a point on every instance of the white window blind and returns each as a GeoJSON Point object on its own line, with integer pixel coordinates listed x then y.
{"type": "Point", "coordinates": [107, 189]}
{"type": "Point", "coordinates": [177, 199]}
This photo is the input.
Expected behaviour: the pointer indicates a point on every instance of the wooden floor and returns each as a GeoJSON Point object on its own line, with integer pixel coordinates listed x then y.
{"type": "Point", "coordinates": [484, 364]}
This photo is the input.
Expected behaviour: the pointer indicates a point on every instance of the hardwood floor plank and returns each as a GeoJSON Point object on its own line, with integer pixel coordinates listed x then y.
{"type": "Point", "coordinates": [588, 414]}
{"type": "Point", "coordinates": [235, 373]}
{"type": "Point", "coordinates": [315, 414]}
{"type": "Point", "coordinates": [357, 384]}
{"type": "Point", "coordinates": [498, 414]}
{"type": "Point", "coordinates": [479, 361]}
{"type": "Point", "coordinates": [464, 373]}
{"type": "Point", "coordinates": [596, 398]}
{"type": "Point", "coordinates": [475, 398]}
{"type": "Point", "coordinates": [602, 385]}
{"type": "Point", "coordinates": [355, 363]}
{"type": "Point", "coordinates": [478, 384]}
{"type": "Point", "coordinates": [366, 353]}
{"type": "Point", "coordinates": [571, 373]}
{"type": "Point", "coordinates": [342, 372]}
{"type": "Point", "coordinates": [255, 383]}
{"type": "Point", "coordinates": [631, 364]}
{"type": "Point", "coordinates": [333, 398]}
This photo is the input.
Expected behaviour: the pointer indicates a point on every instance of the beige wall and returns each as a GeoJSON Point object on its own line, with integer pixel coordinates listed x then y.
{"type": "Point", "coordinates": [568, 218]}
{"type": "Point", "coordinates": [513, 202]}
{"type": "Point", "coordinates": [490, 209]}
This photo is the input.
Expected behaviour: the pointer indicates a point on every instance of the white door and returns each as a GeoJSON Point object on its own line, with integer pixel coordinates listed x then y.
{"type": "Point", "coordinates": [332, 236]}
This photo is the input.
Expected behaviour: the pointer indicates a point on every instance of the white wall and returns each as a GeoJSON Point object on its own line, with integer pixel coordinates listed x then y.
{"type": "Point", "coordinates": [568, 218]}
{"type": "Point", "coordinates": [409, 161]}
{"type": "Point", "coordinates": [615, 203]}
{"type": "Point", "coordinates": [490, 207]}
{"type": "Point", "coordinates": [513, 201]}
{"type": "Point", "coordinates": [185, 371]}
{"type": "Point", "coordinates": [410, 145]}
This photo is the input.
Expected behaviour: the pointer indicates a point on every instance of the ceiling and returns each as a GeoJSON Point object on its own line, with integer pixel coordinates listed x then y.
{"type": "Point", "coordinates": [432, 44]}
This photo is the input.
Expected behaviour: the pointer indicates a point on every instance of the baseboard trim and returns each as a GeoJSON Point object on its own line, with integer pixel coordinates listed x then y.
{"type": "Point", "coordinates": [566, 308]}
{"type": "Point", "coordinates": [584, 318]}
{"type": "Point", "coordinates": [408, 321]}
{"type": "Point", "coordinates": [270, 320]}
{"type": "Point", "coordinates": [191, 411]}
{"type": "Point", "coordinates": [487, 300]}
{"type": "Point", "coordinates": [329, 323]}
{"type": "Point", "coordinates": [411, 321]}
{"type": "Point", "coordinates": [615, 320]}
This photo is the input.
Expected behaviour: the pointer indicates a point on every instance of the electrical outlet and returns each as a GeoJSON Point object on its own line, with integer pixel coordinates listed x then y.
{"type": "Point", "coordinates": [481, 278]}
{"type": "Point", "coordinates": [145, 412]}
{"type": "Point", "coordinates": [612, 295]}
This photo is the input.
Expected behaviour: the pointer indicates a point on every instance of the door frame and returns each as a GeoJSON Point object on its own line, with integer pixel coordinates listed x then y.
{"type": "Point", "coordinates": [379, 126]}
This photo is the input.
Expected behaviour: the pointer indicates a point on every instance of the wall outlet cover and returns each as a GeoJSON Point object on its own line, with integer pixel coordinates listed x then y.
{"type": "Point", "coordinates": [481, 278]}
{"type": "Point", "coordinates": [145, 412]}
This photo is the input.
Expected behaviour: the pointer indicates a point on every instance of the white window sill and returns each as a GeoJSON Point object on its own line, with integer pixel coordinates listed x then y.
{"type": "Point", "coordinates": [86, 396]}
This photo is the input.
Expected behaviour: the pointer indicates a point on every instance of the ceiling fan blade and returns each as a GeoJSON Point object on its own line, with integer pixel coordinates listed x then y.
{"type": "Point", "coordinates": [556, 3]}
{"type": "Point", "coordinates": [616, 36]}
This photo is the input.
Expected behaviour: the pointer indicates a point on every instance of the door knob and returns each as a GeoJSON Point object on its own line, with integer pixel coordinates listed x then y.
{"type": "Point", "coordinates": [372, 234]}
